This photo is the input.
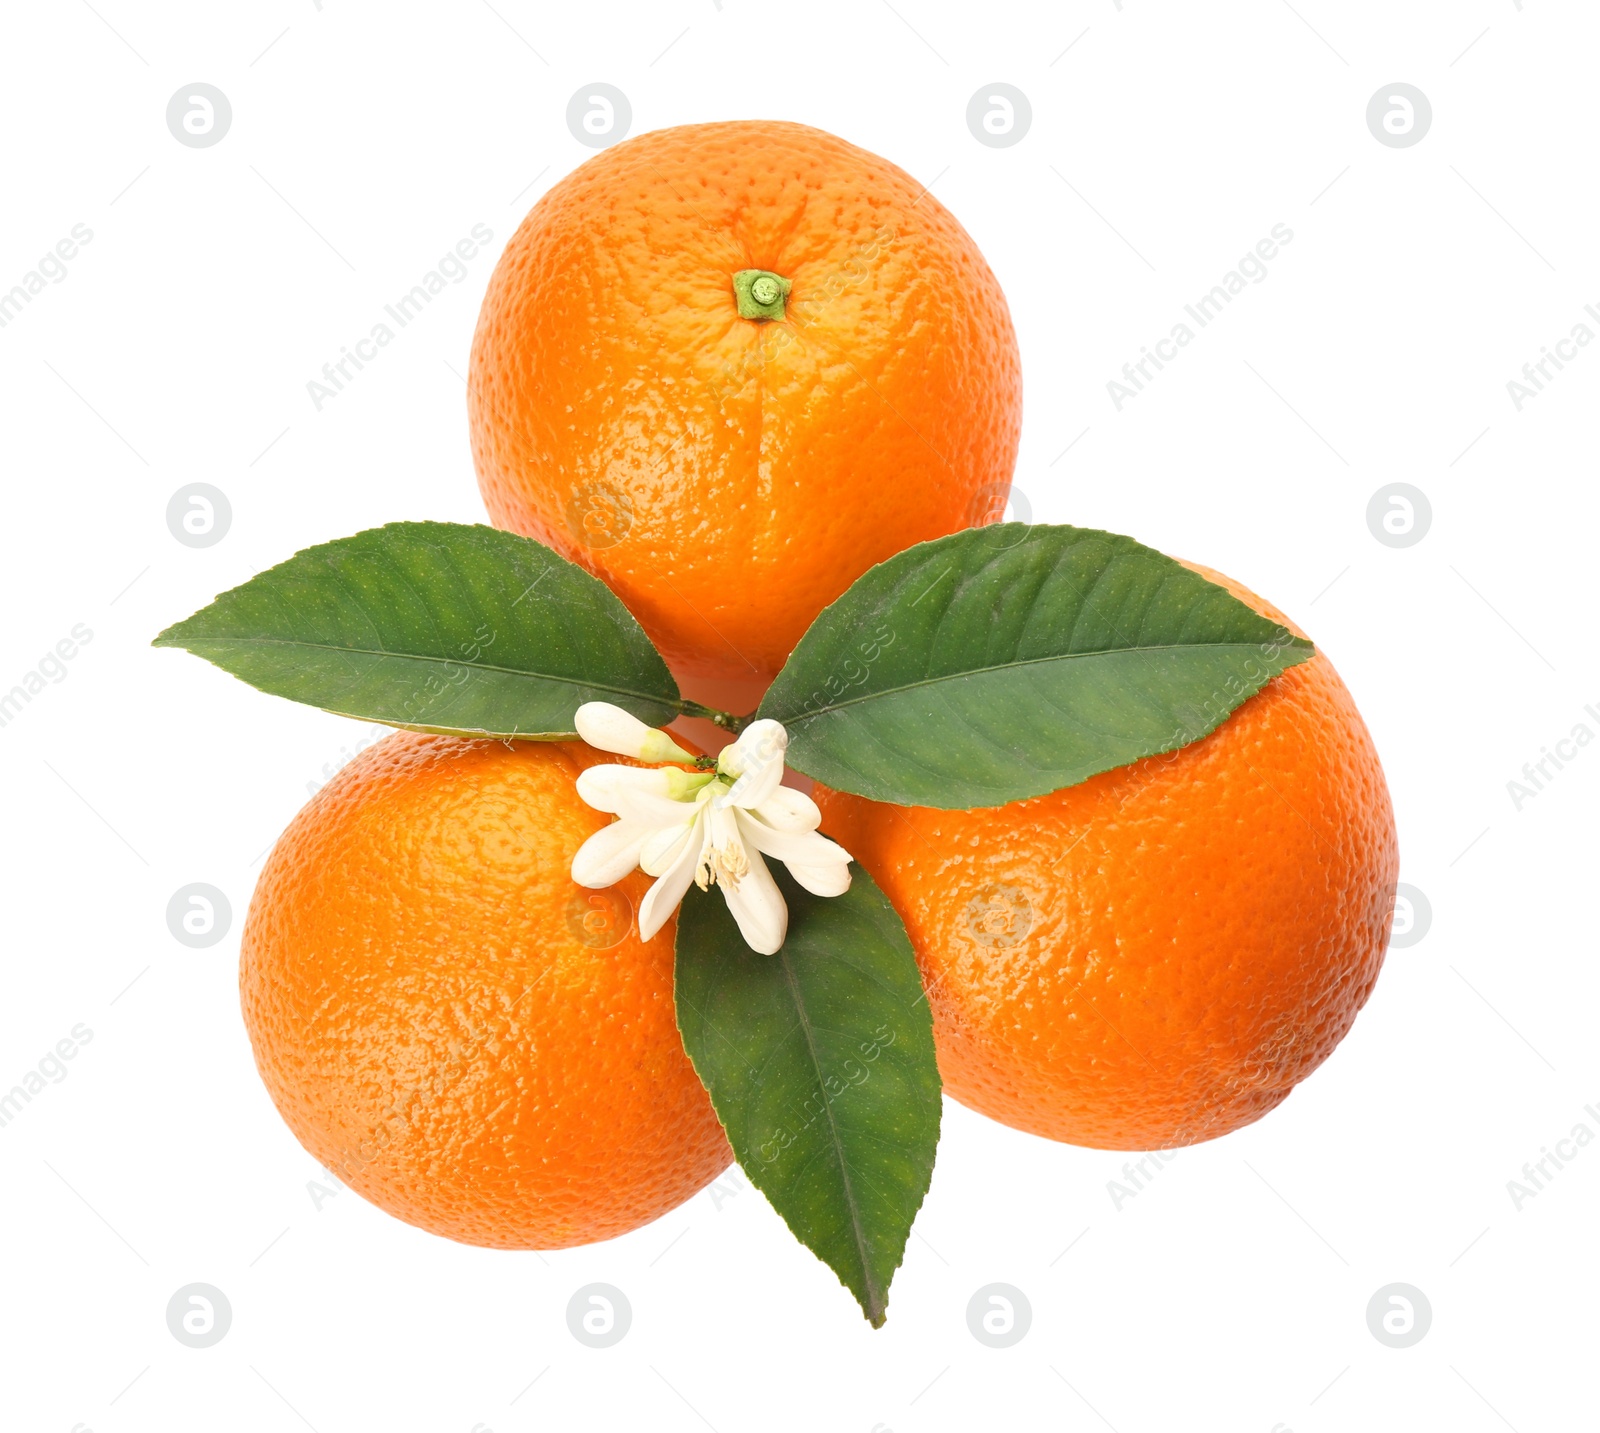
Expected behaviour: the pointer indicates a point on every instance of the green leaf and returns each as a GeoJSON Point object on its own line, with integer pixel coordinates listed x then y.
{"type": "Point", "coordinates": [437, 627]}
{"type": "Point", "coordinates": [1010, 661]}
{"type": "Point", "coordinates": [820, 1064]}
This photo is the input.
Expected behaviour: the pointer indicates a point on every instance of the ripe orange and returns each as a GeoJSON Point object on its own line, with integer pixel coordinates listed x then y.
{"type": "Point", "coordinates": [449, 1024]}
{"type": "Point", "coordinates": [1158, 955]}
{"type": "Point", "coordinates": [728, 477]}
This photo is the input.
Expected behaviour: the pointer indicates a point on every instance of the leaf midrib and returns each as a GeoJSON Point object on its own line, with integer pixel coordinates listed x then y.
{"type": "Point", "coordinates": [874, 1294]}
{"type": "Point", "coordinates": [1034, 662]}
{"type": "Point", "coordinates": [420, 657]}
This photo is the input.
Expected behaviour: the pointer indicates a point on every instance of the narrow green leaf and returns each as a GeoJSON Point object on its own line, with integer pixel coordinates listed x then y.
{"type": "Point", "coordinates": [436, 627]}
{"type": "Point", "coordinates": [1009, 661]}
{"type": "Point", "coordinates": [820, 1064]}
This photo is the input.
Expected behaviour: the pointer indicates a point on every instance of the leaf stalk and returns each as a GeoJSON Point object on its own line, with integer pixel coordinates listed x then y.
{"type": "Point", "coordinates": [726, 720]}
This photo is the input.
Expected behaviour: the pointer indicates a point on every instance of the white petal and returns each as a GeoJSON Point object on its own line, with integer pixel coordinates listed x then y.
{"type": "Point", "coordinates": [758, 908]}
{"type": "Point", "coordinates": [832, 879]}
{"type": "Point", "coordinates": [757, 744]}
{"type": "Point", "coordinates": [655, 796]}
{"type": "Point", "coordinates": [662, 898]}
{"type": "Point", "coordinates": [722, 828]}
{"type": "Point", "coordinates": [603, 786]}
{"type": "Point", "coordinates": [757, 784]}
{"type": "Point", "coordinates": [662, 847]}
{"type": "Point", "coordinates": [756, 760]}
{"type": "Point", "coordinates": [608, 855]}
{"type": "Point", "coordinates": [810, 848]}
{"type": "Point", "coordinates": [790, 810]}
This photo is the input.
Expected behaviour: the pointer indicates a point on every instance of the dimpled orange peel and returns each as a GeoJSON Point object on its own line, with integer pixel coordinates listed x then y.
{"type": "Point", "coordinates": [1160, 954]}
{"type": "Point", "coordinates": [449, 1024]}
{"type": "Point", "coordinates": [728, 368]}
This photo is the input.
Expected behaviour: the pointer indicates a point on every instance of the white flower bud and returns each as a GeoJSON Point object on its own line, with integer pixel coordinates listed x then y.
{"type": "Point", "coordinates": [612, 729]}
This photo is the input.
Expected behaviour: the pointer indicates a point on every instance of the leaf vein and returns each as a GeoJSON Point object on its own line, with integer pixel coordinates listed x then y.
{"type": "Point", "coordinates": [933, 681]}
{"type": "Point", "coordinates": [874, 1294]}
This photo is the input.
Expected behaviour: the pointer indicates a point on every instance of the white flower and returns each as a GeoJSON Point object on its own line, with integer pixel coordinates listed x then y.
{"type": "Point", "coordinates": [711, 827]}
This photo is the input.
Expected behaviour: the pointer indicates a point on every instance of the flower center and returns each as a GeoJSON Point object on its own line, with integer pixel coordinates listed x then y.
{"type": "Point", "coordinates": [723, 859]}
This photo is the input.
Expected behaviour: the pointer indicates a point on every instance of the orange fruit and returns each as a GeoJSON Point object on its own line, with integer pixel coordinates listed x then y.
{"type": "Point", "coordinates": [1158, 955]}
{"type": "Point", "coordinates": [728, 477]}
{"type": "Point", "coordinates": [449, 1024]}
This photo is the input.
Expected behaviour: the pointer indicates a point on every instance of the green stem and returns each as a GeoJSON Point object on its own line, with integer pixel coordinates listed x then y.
{"type": "Point", "coordinates": [726, 720]}
{"type": "Point", "coordinates": [759, 293]}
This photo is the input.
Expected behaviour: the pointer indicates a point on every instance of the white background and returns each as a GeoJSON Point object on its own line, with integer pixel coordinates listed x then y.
{"type": "Point", "coordinates": [1166, 140]}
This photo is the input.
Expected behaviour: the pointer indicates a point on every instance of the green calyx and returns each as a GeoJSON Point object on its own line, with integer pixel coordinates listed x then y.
{"type": "Point", "coordinates": [686, 785]}
{"type": "Point", "coordinates": [760, 294]}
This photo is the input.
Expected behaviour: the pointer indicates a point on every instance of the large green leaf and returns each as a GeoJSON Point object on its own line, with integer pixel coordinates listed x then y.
{"type": "Point", "coordinates": [820, 1064]}
{"type": "Point", "coordinates": [1009, 661]}
{"type": "Point", "coordinates": [436, 627]}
